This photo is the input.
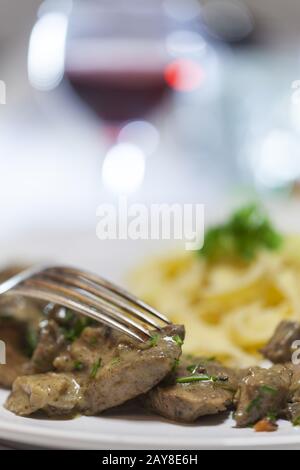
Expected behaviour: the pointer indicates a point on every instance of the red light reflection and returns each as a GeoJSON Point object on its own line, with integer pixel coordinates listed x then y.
{"type": "Point", "coordinates": [184, 75]}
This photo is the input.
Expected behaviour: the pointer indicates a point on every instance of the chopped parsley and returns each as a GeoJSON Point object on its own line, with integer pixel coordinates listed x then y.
{"type": "Point", "coordinates": [76, 327]}
{"type": "Point", "coordinates": [95, 367]}
{"type": "Point", "coordinates": [175, 365]}
{"type": "Point", "coordinates": [177, 340]}
{"type": "Point", "coordinates": [115, 361]}
{"type": "Point", "coordinates": [69, 316]}
{"type": "Point", "coordinates": [254, 404]}
{"type": "Point", "coordinates": [246, 232]}
{"type": "Point", "coordinates": [272, 416]}
{"type": "Point", "coordinates": [31, 341]}
{"type": "Point", "coordinates": [269, 390]}
{"type": "Point", "coordinates": [296, 421]}
{"type": "Point", "coordinates": [78, 365]}
{"type": "Point", "coordinates": [197, 378]}
{"type": "Point", "coordinates": [192, 368]}
{"type": "Point", "coordinates": [154, 340]}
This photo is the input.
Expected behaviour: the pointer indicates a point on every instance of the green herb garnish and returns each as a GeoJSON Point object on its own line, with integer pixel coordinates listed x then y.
{"type": "Point", "coordinates": [78, 324]}
{"type": "Point", "coordinates": [115, 360]}
{"type": "Point", "coordinates": [31, 341]}
{"type": "Point", "coordinates": [192, 368]}
{"type": "Point", "coordinates": [177, 340]}
{"type": "Point", "coordinates": [95, 367]}
{"type": "Point", "coordinates": [154, 340]}
{"type": "Point", "coordinates": [175, 365]}
{"type": "Point", "coordinates": [78, 365]}
{"type": "Point", "coordinates": [267, 389]}
{"type": "Point", "coordinates": [256, 403]}
{"type": "Point", "coordinates": [272, 416]}
{"type": "Point", "coordinates": [296, 421]}
{"type": "Point", "coordinates": [196, 378]}
{"type": "Point", "coordinates": [69, 316]}
{"type": "Point", "coordinates": [247, 231]}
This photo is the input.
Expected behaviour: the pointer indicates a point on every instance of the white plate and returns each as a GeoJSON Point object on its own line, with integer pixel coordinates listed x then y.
{"type": "Point", "coordinates": [126, 430]}
{"type": "Point", "coordinates": [134, 431]}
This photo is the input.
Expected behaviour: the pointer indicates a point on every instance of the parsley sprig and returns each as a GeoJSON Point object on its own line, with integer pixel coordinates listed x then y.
{"type": "Point", "coordinates": [257, 401]}
{"type": "Point", "coordinates": [247, 231]}
{"type": "Point", "coordinates": [31, 341]}
{"type": "Point", "coordinates": [200, 378]}
{"type": "Point", "coordinates": [154, 340]}
{"type": "Point", "coordinates": [95, 367]}
{"type": "Point", "coordinates": [78, 365]}
{"type": "Point", "coordinates": [178, 340]}
{"type": "Point", "coordinates": [75, 326]}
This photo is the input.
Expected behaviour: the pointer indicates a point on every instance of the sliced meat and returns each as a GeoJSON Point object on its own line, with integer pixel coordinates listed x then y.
{"type": "Point", "coordinates": [56, 394]}
{"type": "Point", "coordinates": [13, 333]}
{"type": "Point", "coordinates": [262, 392]}
{"type": "Point", "coordinates": [292, 413]}
{"type": "Point", "coordinates": [60, 328]}
{"type": "Point", "coordinates": [51, 342]}
{"type": "Point", "coordinates": [108, 369]}
{"type": "Point", "coordinates": [206, 388]}
{"type": "Point", "coordinates": [294, 394]}
{"type": "Point", "coordinates": [18, 317]}
{"type": "Point", "coordinates": [292, 409]}
{"type": "Point", "coordinates": [279, 348]}
{"type": "Point", "coordinates": [92, 344]}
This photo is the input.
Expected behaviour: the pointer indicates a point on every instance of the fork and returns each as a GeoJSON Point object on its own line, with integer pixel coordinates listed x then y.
{"type": "Point", "coordinates": [89, 295]}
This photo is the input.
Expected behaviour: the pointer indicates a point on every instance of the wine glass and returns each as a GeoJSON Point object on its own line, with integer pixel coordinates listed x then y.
{"type": "Point", "coordinates": [127, 63]}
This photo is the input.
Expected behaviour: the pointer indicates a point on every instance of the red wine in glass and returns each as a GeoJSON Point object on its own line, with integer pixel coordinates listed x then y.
{"type": "Point", "coordinates": [117, 88]}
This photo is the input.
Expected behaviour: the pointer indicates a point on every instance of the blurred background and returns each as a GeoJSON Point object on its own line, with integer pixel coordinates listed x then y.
{"type": "Point", "coordinates": [164, 101]}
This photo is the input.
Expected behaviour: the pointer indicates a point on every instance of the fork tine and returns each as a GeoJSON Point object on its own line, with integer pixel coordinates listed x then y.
{"type": "Point", "coordinates": [41, 294]}
{"type": "Point", "coordinates": [91, 299]}
{"type": "Point", "coordinates": [113, 287]}
{"type": "Point", "coordinates": [20, 277]}
{"type": "Point", "coordinates": [100, 291]}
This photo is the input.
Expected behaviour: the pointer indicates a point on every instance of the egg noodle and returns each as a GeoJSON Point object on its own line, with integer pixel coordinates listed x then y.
{"type": "Point", "coordinates": [230, 309]}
